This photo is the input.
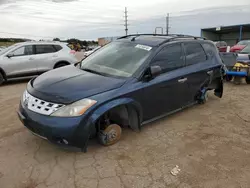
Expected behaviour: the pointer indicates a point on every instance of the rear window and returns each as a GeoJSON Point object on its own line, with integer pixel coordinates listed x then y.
{"type": "Point", "coordinates": [44, 49]}
{"type": "Point", "coordinates": [194, 53]}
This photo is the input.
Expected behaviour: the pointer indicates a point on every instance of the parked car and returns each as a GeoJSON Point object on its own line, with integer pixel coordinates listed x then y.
{"type": "Point", "coordinates": [87, 53]}
{"type": "Point", "coordinates": [127, 83]}
{"type": "Point", "coordinates": [33, 58]}
{"type": "Point", "coordinates": [239, 46]}
{"type": "Point", "coordinates": [221, 45]}
{"type": "Point", "coordinates": [245, 51]}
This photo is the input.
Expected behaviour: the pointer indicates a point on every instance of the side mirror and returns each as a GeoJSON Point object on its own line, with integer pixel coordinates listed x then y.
{"type": "Point", "coordinates": [10, 55]}
{"type": "Point", "coordinates": [155, 71]}
{"type": "Point", "coordinates": [152, 72]}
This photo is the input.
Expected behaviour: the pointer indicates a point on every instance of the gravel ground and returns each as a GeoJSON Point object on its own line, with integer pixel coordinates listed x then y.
{"type": "Point", "coordinates": [210, 144]}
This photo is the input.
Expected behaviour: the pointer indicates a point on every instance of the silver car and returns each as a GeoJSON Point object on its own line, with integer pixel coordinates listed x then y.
{"type": "Point", "coordinates": [33, 58]}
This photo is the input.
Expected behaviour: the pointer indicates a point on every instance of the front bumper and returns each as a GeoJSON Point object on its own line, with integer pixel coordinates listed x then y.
{"type": "Point", "coordinates": [72, 132]}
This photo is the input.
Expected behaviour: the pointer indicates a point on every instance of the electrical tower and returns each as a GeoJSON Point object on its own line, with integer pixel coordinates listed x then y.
{"type": "Point", "coordinates": [167, 24]}
{"type": "Point", "coordinates": [126, 21]}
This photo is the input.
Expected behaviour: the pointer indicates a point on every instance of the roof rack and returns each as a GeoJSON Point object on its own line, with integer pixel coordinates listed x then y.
{"type": "Point", "coordinates": [173, 36]}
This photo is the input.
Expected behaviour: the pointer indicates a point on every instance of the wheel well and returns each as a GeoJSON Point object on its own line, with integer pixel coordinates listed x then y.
{"type": "Point", "coordinates": [124, 115]}
{"type": "Point", "coordinates": [3, 73]}
{"type": "Point", "coordinates": [61, 62]}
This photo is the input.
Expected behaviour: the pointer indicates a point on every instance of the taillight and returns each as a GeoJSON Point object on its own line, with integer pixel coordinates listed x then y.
{"type": "Point", "coordinates": [72, 52]}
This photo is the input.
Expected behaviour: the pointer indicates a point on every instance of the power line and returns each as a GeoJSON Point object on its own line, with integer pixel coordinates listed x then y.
{"type": "Point", "coordinates": [126, 21]}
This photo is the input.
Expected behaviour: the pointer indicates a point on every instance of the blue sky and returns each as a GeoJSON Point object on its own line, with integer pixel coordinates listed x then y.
{"type": "Point", "coordinates": [90, 19]}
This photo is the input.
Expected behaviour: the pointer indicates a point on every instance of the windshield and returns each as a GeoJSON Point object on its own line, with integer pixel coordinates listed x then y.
{"type": "Point", "coordinates": [7, 49]}
{"type": "Point", "coordinates": [246, 50]}
{"type": "Point", "coordinates": [244, 42]}
{"type": "Point", "coordinates": [117, 59]}
{"type": "Point", "coordinates": [96, 48]}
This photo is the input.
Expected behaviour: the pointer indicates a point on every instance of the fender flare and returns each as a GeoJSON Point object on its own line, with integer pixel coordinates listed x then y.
{"type": "Point", "coordinates": [97, 113]}
{"type": "Point", "coordinates": [62, 61]}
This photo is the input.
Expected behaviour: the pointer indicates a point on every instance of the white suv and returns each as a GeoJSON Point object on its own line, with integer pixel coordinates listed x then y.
{"type": "Point", "coordinates": [33, 58]}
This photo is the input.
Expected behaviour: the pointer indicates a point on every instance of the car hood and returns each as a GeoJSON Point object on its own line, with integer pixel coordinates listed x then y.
{"type": "Point", "coordinates": [69, 84]}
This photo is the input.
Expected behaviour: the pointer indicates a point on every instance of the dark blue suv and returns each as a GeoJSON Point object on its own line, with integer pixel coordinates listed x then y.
{"type": "Point", "coordinates": [127, 83]}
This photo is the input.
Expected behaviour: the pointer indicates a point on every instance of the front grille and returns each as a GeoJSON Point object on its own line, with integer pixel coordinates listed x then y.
{"type": "Point", "coordinates": [40, 106]}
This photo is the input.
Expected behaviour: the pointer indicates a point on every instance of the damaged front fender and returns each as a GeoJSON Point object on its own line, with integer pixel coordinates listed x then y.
{"type": "Point", "coordinates": [133, 111]}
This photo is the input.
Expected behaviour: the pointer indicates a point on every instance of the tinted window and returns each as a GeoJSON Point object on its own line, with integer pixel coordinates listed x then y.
{"type": "Point", "coordinates": [43, 49]}
{"type": "Point", "coordinates": [25, 50]}
{"type": "Point", "coordinates": [194, 53]}
{"type": "Point", "coordinates": [210, 49]}
{"type": "Point", "coordinates": [57, 47]}
{"type": "Point", "coordinates": [169, 58]}
{"type": "Point", "coordinates": [28, 50]}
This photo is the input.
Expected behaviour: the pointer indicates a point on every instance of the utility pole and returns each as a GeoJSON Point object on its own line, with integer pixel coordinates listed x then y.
{"type": "Point", "coordinates": [167, 24]}
{"type": "Point", "coordinates": [126, 21]}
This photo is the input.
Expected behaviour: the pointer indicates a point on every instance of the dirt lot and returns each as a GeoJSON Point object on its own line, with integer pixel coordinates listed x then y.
{"type": "Point", "coordinates": [210, 143]}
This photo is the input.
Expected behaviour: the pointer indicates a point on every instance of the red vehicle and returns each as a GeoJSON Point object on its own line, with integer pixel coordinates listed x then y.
{"type": "Point", "coordinates": [221, 46]}
{"type": "Point", "coordinates": [239, 46]}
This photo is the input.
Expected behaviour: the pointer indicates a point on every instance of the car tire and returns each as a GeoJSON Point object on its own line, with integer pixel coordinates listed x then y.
{"type": "Point", "coordinates": [1, 79]}
{"type": "Point", "coordinates": [110, 135]}
{"type": "Point", "coordinates": [248, 80]}
{"type": "Point", "coordinates": [60, 65]}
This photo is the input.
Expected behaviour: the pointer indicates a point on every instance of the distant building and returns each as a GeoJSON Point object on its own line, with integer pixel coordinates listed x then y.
{"type": "Point", "coordinates": [229, 34]}
{"type": "Point", "coordinates": [106, 40]}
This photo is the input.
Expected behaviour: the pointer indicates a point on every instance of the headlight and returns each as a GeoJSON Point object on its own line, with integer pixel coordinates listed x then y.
{"type": "Point", "coordinates": [76, 109]}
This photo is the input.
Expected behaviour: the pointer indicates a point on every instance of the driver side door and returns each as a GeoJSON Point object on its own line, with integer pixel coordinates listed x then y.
{"type": "Point", "coordinates": [21, 63]}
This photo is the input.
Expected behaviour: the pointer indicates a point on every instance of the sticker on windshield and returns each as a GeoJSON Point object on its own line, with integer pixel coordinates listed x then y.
{"type": "Point", "coordinates": [144, 47]}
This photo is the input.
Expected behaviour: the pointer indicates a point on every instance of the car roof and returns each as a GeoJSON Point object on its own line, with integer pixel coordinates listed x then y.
{"type": "Point", "coordinates": [41, 42]}
{"type": "Point", "coordinates": [156, 39]}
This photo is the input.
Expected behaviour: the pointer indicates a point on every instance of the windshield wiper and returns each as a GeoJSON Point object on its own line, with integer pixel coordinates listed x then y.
{"type": "Point", "coordinates": [93, 71]}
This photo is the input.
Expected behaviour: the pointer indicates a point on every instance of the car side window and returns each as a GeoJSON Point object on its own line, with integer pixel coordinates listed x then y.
{"type": "Point", "coordinates": [194, 53]}
{"type": "Point", "coordinates": [44, 49]}
{"type": "Point", "coordinates": [170, 58]}
{"type": "Point", "coordinates": [57, 47]}
{"type": "Point", "coordinates": [28, 50]}
{"type": "Point", "coordinates": [210, 49]}
{"type": "Point", "coordinates": [24, 50]}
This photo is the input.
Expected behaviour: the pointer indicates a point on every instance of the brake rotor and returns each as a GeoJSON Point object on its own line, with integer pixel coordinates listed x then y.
{"type": "Point", "coordinates": [110, 135]}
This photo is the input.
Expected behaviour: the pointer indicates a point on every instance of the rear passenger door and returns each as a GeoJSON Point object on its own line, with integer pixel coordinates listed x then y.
{"type": "Point", "coordinates": [198, 67]}
{"type": "Point", "coordinates": [45, 57]}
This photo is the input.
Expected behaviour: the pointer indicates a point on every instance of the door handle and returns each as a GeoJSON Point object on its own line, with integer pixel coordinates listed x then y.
{"type": "Point", "coordinates": [210, 72]}
{"type": "Point", "coordinates": [182, 80]}
{"type": "Point", "coordinates": [31, 58]}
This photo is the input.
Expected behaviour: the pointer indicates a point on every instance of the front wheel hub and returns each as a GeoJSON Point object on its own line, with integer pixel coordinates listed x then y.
{"type": "Point", "coordinates": [110, 135]}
